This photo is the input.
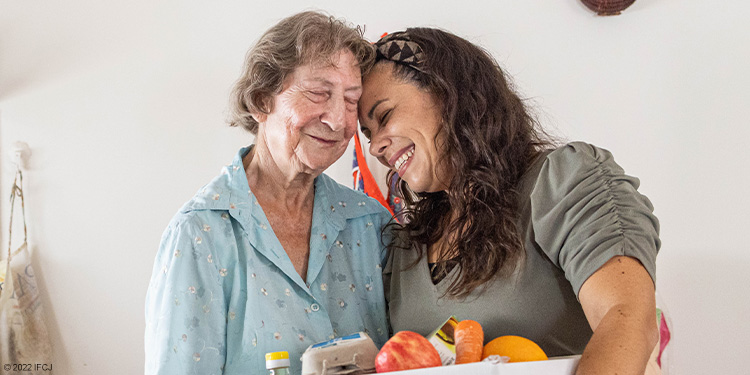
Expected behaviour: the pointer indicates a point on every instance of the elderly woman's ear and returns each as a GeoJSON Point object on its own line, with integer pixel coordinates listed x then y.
{"type": "Point", "coordinates": [259, 117]}
{"type": "Point", "coordinates": [262, 106]}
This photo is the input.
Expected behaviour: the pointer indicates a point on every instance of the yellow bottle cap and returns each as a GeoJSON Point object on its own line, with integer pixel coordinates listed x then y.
{"type": "Point", "coordinates": [277, 360]}
{"type": "Point", "coordinates": [277, 355]}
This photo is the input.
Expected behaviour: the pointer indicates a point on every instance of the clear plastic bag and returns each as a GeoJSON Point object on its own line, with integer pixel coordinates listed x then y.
{"type": "Point", "coordinates": [665, 358]}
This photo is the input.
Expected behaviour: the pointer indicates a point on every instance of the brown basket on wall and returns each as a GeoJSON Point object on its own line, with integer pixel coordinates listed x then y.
{"type": "Point", "coordinates": [607, 7]}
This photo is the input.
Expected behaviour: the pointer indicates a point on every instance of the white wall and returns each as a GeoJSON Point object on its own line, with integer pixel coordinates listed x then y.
{"type": "Point", "coordinates": [123, 104]}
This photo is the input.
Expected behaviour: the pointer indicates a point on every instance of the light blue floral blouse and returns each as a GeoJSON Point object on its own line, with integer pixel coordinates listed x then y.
{"type": "Point", "coordinates": [224, 292]}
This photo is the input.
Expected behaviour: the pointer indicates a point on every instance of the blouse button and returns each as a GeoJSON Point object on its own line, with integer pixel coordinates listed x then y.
{"type": "Point", "coordinates": [314, 307]}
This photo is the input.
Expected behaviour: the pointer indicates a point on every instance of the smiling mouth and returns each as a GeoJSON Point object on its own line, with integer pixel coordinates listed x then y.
{"type": "Point", "coordinates": [405, 156]}
{"type": "Point", "coordinates": [324, 140]}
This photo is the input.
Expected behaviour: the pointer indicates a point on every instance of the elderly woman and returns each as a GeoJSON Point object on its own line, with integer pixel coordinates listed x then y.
{"type": "Point", "coordinates": [273, 255]}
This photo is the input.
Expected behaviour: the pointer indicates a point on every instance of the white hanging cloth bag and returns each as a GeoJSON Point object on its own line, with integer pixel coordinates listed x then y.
{"type": "Point", "coordinates": [24, 342]}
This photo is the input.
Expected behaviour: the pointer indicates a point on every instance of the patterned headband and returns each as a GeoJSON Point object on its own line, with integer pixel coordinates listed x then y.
{"type": "Point", "coordinates": [398, 47]}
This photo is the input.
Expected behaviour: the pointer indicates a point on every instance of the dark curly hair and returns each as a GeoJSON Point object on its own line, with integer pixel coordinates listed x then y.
{"type": "Point", "coordinates": [490, 139]}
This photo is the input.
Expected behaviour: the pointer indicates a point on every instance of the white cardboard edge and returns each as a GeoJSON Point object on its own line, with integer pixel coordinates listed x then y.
{"type": "Point", "coordinates": [553, 366]}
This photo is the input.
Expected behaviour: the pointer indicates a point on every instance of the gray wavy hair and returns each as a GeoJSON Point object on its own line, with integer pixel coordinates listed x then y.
{"type": "Point", "coordinates": [305, 38]}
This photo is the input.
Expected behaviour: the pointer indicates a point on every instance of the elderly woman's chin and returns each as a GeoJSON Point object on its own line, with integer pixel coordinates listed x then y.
{"type": "Point", "coordinates": [318, 156]}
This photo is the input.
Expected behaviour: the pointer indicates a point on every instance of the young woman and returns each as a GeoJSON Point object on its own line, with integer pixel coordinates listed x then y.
{"type": "Point", "coordinates": [503, 227]}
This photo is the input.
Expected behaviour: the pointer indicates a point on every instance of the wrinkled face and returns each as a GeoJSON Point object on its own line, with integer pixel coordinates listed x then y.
{"type": "Point", "coordinates": [402, 123]}
{"type": "Point", "coordinates": [314, 116]}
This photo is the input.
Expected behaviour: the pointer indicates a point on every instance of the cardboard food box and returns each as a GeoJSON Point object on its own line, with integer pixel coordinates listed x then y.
{"type": "Point", "coordinates": [552, 366]}
{"type": "Point", "coordinates": [442, 339]}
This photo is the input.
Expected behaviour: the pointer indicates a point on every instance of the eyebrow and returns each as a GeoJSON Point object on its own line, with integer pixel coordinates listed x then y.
{"type": "Point", "coordinates": [319, 80]}
{"type": "Point", "coordinates": [329, 83]}
{"type": "Point", "coordinates": [372, 109]}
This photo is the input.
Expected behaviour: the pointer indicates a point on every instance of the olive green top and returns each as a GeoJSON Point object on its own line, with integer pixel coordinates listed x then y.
{"type": "Point", "coordinates": [577, 210]}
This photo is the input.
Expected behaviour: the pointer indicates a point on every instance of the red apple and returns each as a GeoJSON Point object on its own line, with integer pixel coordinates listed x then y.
{"type": "Point", "coordinates": [406, 350]}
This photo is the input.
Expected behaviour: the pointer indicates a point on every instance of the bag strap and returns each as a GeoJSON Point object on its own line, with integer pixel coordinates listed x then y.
{"type": "Point", "coordinates": [16, 191]}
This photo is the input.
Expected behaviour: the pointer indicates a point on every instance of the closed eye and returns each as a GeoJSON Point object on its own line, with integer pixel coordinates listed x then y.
{"type": "Point", "coordinates": [351, 104]}
{"type": "Point", "coordinates": [318, 96]}
{"type": "Point", "coordinates": [384, 117]}
{"type": "Point", "coordinates": [354, 101]}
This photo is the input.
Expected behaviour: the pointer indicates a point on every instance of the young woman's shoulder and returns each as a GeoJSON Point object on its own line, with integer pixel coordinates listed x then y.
{"type": "Point", "coordinates": [578, 157]}
{"type": "Point", "coordinates": [585, 210]}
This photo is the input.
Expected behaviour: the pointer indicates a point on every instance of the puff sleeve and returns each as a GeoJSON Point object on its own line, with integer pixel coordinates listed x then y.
{"type": "Point", "coordinates": [586, 210]}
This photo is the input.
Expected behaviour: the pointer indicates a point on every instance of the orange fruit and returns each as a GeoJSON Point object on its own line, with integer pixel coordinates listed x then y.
{"type": "Point", "coordinates": [517, 348]}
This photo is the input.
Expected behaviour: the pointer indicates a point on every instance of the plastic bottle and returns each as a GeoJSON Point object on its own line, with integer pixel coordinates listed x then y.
{"type": "Point", "coordinates": [278, 363]}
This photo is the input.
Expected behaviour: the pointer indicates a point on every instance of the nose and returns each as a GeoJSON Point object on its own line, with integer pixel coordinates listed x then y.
{"type": "Point", "coordinates": [378, 145]}
{"type": "Point", "coordinates": [334, 114]}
